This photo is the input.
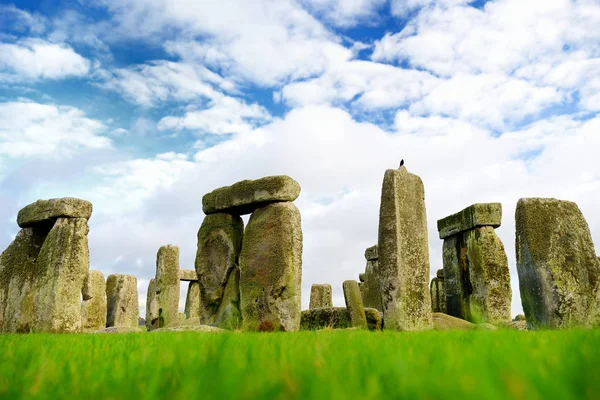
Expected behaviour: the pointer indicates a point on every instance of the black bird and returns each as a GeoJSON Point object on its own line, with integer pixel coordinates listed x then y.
{"type": "Point", "coordinates": [401, 162]}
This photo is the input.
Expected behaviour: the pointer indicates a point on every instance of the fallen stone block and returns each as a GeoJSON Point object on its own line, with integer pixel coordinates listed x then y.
{"type": "Point", "coordinates": [93, 306]}
{"type": "Point", "coordinates": [481, 214]}
{"type": "Point", "coordinates": [48, 210]}
{"type": "Point", "coordinates": [320, 296]}
{"type": "Point", "coordinates": [445, 322]}
{"type": "Point", "coordinates": [246, 196]}
{"type": "Point", "coordinates": [122, 301]}
{"type": "Point", "coordinates": [354, 304]}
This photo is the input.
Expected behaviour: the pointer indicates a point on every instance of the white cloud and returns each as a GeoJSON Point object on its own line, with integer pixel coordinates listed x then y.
{"type": "Point", "coordinates": [346, 13]}
{"type": "Point", "coordinates": [38, 59]}
{"type": "Point", "coordinates": [403, 8]}
{"type": "Point", "coordinates": [29, 129]}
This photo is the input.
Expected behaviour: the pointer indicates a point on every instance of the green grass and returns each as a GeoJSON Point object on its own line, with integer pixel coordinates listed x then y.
{"type": "Point", "coordinates": [323, 365]}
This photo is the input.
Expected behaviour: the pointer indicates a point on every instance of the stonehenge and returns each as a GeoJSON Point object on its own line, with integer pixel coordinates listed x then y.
{"type": "Point", "coordinates": [438, 293]}
{"type": "Point", "coordinates": [403, 252]}
{"type": "Point", "coordinates": [476, 275]}
{"type": "Point", "coordinates": [320, 296]}
{"type": "Point", "coordinates": [559, 272]}
{"type": "Point", "coordinates": [122, 308]}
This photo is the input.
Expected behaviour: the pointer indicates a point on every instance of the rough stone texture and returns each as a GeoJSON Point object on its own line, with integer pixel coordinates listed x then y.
{"type": "Point", "coordinates": [192, 300]}
{"type": "Point", "coordinates": [189, 275]}
{"type": "Point", "coordinates": [438, 295]}
{"type": "Point", "coordinates": [337, 318]}
{"type": "Point", "coordinates": [245, 196]}
{"type": "Point", "coordinates": [48, 210]}
{"type": "Point", "coordinates": [354, 304]}
{"type": "Point", "coordinates": [122, 301]}
{"type": "Point", "coordinates": [440, 273]}
{"type": "Point", "coordinates": [62, 266]}
{"type": "Point", "coordinates": [151, 320]}
{"type": "Point", "coordinates": [120, 329]}
{"type": "Point", "coordinates": [93, 306]}
{"type": "Point", "coordinates": [481, 214]}
{"type": "Point", "coordinates": [167, 284]}
{"type": "Point", "coordinates": [320, 296]}
{"type": "Point", "coordinates": [190, 325]}
{"type": "Point", "coordinates": [370, 289]}
{"type": "Point", "coordinates": [559, 273]}
{"type": "Point", "coordinates": [403, 263]}
{"type": "Point", "coordinates": [17, 279]}
{"type": "Point", "coordinates": [371, 253]}
{"type": "Point", "coordinates": [517, 325]}
{"type": "Point", "coordinates": [219, 244]}
{"type": "Point", "coordinates": [489, 276]}
{"type": "Point", "coordinates": [519, 317]}
{"type": "Point", "coordinates": [271, 269]}
{"type": "Point", "coordinates": [444, 322]}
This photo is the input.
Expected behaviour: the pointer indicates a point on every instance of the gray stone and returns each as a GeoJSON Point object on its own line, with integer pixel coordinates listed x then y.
{"type": "Point", "coordinates": [192, 300]}
{"type": "Point", "coordinates": [403, 263]}
{"type": "Point", "coordinates": [245, 196]}
{"type": "Point", "coordinates": [122, 301]}
{"type": "Point", "coordinates": [271, 269]}
{"type": "Point", "coordinates": [440, 273]}
{"type": "Point", "coordinates": [337, 318]}
{"type": "Point", "coordinates": [43, 211]}
{"type": "Point", "coordinates": [371, 253]}
{"type": "Point", "coordinates": [151, 320]}
{"type": "Point", "coordinates": [167, 284]}
{"type": "Point", "coordinates": [559, 272]}
{"type": "Point", "coordinates": [476, 215]}
{"type": "Point", "coordinates": [444, 322]}
{"type": "Point", "coordinates": [219, 246]}
{"type": "Point", "coordinates": [228, 315]}
{"type": "Point", "coordinates": [519, 317]}
{"type": "Point", "coordinates": [190, 325]}
{"type": "Point", "coordinates": [62, 266]}
{"type": "Point", "coordinates": [371, 288]}
{"type": "Point", "coordinates": [320, 296]}
{"type": "Point", "coordinates": [354, 304]}
{"type": "Point", "coordinates": [93, 306]}
{"type": "Point", "coordinates": [188, 275]}
{"type": "Point", "coordinates": [438, 295]}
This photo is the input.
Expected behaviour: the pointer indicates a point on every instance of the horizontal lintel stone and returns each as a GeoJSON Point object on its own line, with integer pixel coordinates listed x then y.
{"type": "Point", "coordinates": [188, 275]}
{"type": "Point", "coordinates": [479, 214]}
{"type": "Point", "coordinates": [52, 209]}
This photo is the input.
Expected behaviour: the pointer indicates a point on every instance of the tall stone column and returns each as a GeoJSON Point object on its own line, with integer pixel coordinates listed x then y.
{"type": "Point", "coordinates": [93, 306]}
{"type": "Point", "coordinates": [438, 293]}
{"type": "Point", "coordinates": [192, 300]}
{"type": "Point", "coordinates": [559, 273]}
{"type": "Point", "coordinates": [167, 285]}
{"type": "Point", "coordinates": [320, 296]}
{"type": "Point", "coordinates": [403, 252]}
{"type": "Point", "coordinates": [122, 301]}
{"type": "Point", "coordinates": [371, 287]}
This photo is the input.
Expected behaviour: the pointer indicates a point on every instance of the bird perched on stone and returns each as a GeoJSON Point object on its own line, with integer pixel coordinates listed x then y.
{"type": "Point", "coordinates": [401, 163]}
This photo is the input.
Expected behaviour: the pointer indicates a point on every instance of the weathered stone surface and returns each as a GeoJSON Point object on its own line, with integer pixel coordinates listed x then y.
{"type": "Point", "coordinates": [122, 301]}
{"type": "Point", "coordinates": [120, 329]}
{"type": "Point", "coordinates": [62, 266]}
{"type": "Point", "coordinates": [403, 263]}
{"type": "Point", "coordinates": [189, 275]}
{"type": "Point", "coordinates": [440, 273]}
{"type": "Point", "coordinates": [192, 300]}
{"type": "Point", "coordinates": [481, 214]}
{"type": "Point", "coordinates": [454, 256]}
{"type": "Point", "coordinates": [17, 279]}
{"type": "Point", "coordinates": [337, 318]}
{"type": "Point", "coordinates": [444, 322]}
{"type": "Point", "coordinates": [371, 288]}
{"type": "Point", "coordinates": [371, 253]}
{"type": "Point", "coordinates": [93, 306]}
{"type": "Point", "coordinates": [48, 210]}
{"type": "Point", "coordinates": [519, 317]}
{"type": "Point", "coordinates": [245, 196]}
{"type": "Point", "coordinates": [167, 284]}
{"type": "Point", "coordinates": [520, 325]}
{"type": "Point", "coordinates": [271, 269]}
{"type": "Point", "coordinates": [320, 296]}
{"type": "Point", "coordinates": [489, 276]}
{"type": "Point", "coordinates": [219, 245]}
{"type": "Point", "coordinates": [354, 304]}
{"type": "Point", "coordinates": [361, 277]}
{"type": "Point", "coordinates": [559, 272]}
{"type": "Point", "coordinates": [190, 325]}
{"type": "Point", "coordinates": [151, 320]}
{"type": "Point", "coordinates": [438, 295]}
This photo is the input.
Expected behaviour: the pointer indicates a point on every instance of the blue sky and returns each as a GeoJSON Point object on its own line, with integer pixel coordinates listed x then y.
{"type": "Point", "coordinates": [143, 106]}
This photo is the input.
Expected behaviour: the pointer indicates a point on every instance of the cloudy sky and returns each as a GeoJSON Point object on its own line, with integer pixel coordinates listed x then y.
{"type": "Point", "coordinates": [143, 106]}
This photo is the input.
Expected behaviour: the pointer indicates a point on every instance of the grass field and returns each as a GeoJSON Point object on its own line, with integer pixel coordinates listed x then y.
{"type": "Point", "coordinates": [323, 365]}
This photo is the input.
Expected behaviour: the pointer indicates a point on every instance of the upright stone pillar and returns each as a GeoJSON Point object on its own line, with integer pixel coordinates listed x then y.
{"type": "Point", "coordinates": [219, 246]}
{"type": "Point", "coordinates": [320, 296]}
{"type": "Point", "coordinates": [438, 294]}
{"type": "Point", "coordinates": [476, 274]}
{"type": "Point", "coordinates": [93, 306]}
{"type": "Point", "coordinates": [371, 288]}
{"type": "Point", "coordinates": [192, 300]}
{"type": "Point", "coordinates": [151, 320]}
{"type": "Point", "coordinates": [122, 301]}
{"type": "Point", "coordinates": [167, 285]}
{"type": "Point", "coordinates": [559, 273]}
{"type": "Point", "coordinates": [271, 269]}
{"type": "Point", "coordinates": [403, 252]}
{"type": "Point", "coordinates": [354, 304]}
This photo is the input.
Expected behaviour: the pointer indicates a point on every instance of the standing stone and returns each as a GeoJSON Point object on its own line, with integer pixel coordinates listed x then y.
{"type": "Point", "coordinates": [354, 304]}
{"type": "Point", "coordinates": [228, 315]}
{"type": "Point", "coordinates": [93, 306]}
{"type": "Point", "coordinates": [438, 294]}
{"type": "Point", "coordinates": [559, 273]}
{"type": "Point", "coordinates": [219, 245]}
{"type": "Point", "coordinates": [403, 262]}
{"type": "Point", "coordinates": [167, 285]}
{"type": "Point", "coordinates": [371, 287]}
{"type": "Point", "coordinates": [320, 296]}
{"type": "Point", "coordinates": [455, 277]}
{"type": "Point", "coordinates": [271, 269]}
{"type": "Point", "coordinates": [192, 300]}
{"type": "Point", "coordinates": [151, 320]}
{"type": "Point", "coordinates": [18, 270]}
{"type": "Point", "coordinates": [122, 301]}
{"type": "Point", "coordinates": [62, 266]}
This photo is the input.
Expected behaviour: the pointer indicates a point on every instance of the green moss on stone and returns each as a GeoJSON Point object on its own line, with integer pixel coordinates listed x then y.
{"type": "Point", "coordinates": [122, 301]}
{"type": "Point", "coordinates": [49, 210]}
{"type": "Point", "coordinates": [480, 214]}
{"type": "Point", "coordinates": [320, 296]}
